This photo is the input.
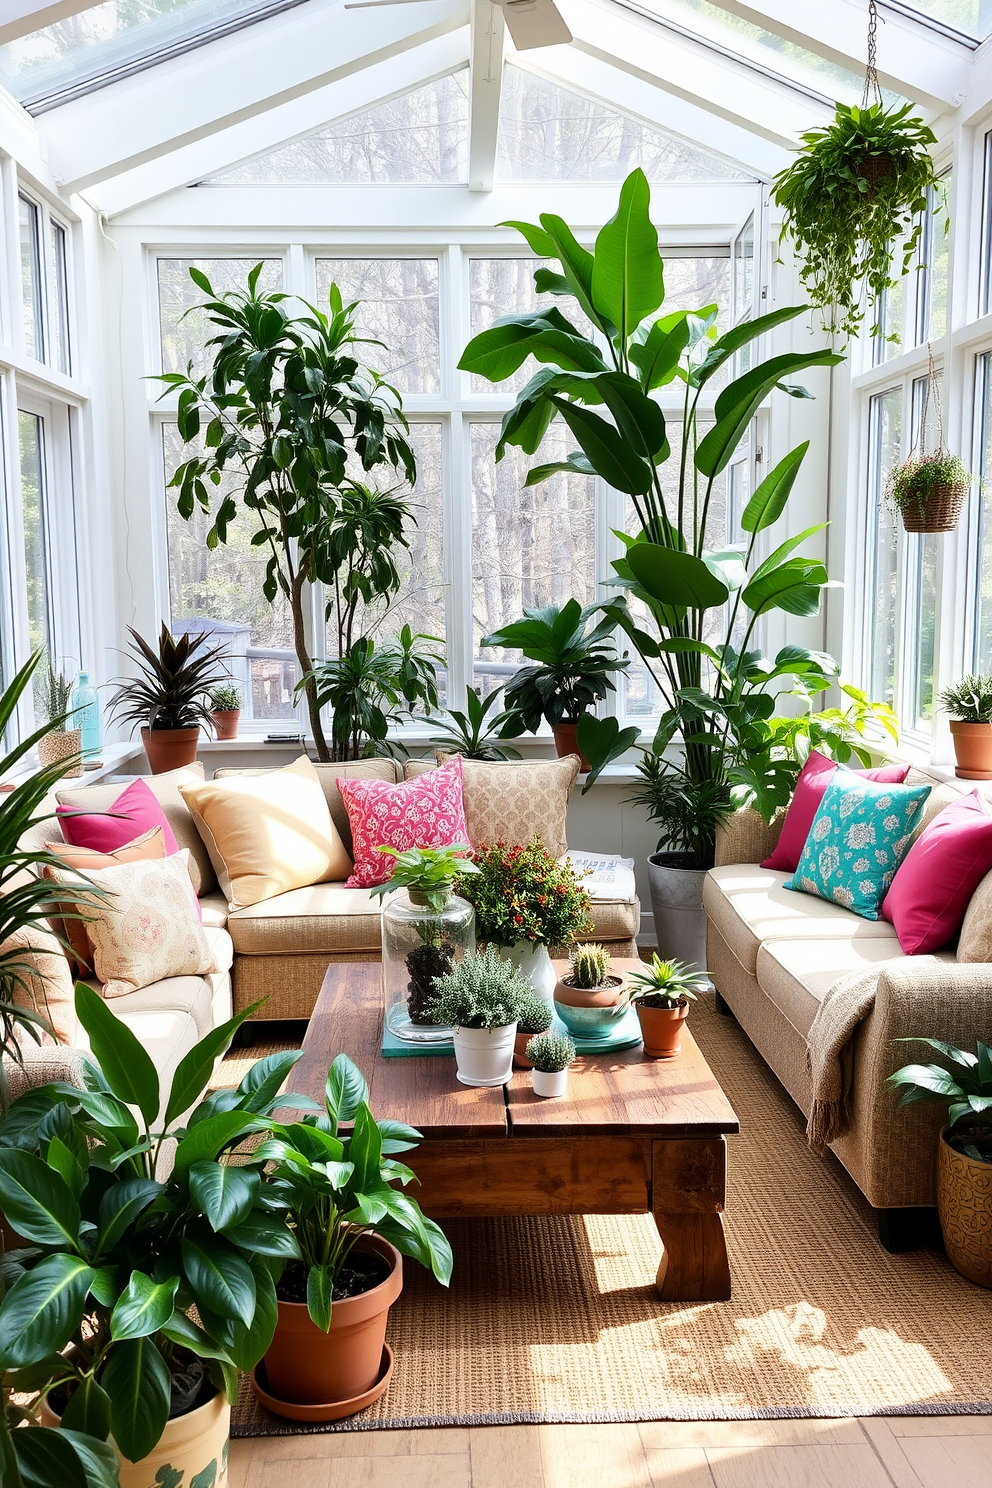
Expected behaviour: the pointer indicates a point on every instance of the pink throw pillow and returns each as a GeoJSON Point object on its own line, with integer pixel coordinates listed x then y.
{"type": "Point", "coordinates": [814, 777]}
{"type": "Point", "coordinates": [424, 812]}
{"type": "Point", "coordinates": [134, 812]}
{"type": "Point", "coordinates": [935, 881]}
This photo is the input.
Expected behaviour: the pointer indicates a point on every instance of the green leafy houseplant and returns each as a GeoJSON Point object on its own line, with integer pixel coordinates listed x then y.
{"type": "Point", "coordinates": [368, 687]}
{"type": "Point", "coordinates": [856, 187]}
{"type": "Point", "coordinates": [284, 409]}
{"type": "Point", "coordinates": [473, 734]}
{"type": "Point", "coordinates": [575, 661]}
{"type": "Point", "coordinates": [970, 700]}
{"type": "Point", "coordinates": [929, 491]}
{"type": "Point", "coordinates": [551, 1053]}
{"type": "Point", "coordinates": [483, 991]}
{"type": "Point", "coordinates": [691, 587]}
{"type": "Point", "coordinates": [523, 894]}
{"type": "Point", "coordinates": [225, 698]}
{"type": "Point", "coordinates": [430, 873]}
{"type": "Point", "coordinates": [665, 984]}
{"type": "Point", "coordinates": [97, 1309]}
{"type": "Point", "coordinates": [966, 1088]}
{"type": "Point", "coordinates": [173, 685]}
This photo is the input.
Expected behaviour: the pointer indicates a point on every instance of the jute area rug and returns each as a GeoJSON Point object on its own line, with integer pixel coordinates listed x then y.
{"type": "Point", "coordinates": [558, 1319]}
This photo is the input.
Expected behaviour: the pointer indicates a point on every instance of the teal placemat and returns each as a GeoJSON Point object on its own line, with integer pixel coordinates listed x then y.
{"type": "Point", "coordinates": [625, 1035]}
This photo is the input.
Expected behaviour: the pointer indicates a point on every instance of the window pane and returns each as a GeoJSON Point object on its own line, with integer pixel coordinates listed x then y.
{"type": "Point", "coordinates": [888, 342]}
{"type": "Point", "coordinates": [31, 281]}
{"type": "Point", "coordinates": [885, 443]}
{"type": "Point", "coordinates": [744, 271]}
{"type": "Point", "coordinates": [923, 554]}
{"type": "Point", "coordinates": [220, 593]}
{"type": "Point", "coordinates": [398, 305]}
{"type": "Point", "coordinates": [60, 306]}
{"type": "Point", "coordinates": [531, 546]}
{"type": "Point", "coordinates": [184, 336]}
{"type": "Point", "coordinates": [983, 639]}
{"type": "Point", "coordinates": [31, 438]}
{"type": "Point", "coordinates": [931, 276]}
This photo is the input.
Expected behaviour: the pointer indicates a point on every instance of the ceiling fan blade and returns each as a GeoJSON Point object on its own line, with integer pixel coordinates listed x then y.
{"type": "Point", "coordinates": [534, 23]}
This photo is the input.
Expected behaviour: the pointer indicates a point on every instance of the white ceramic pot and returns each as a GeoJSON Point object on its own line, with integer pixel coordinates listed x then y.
{"type": "Point", "coordinates": [550, 1082]}
{"type": "Point", "coordinates": [533, 963]}
{"type": "Point", "coordinates": [677, 905]}
{"type": "Point", "coordinates": [192, 1448]}
{"type": "Point", "coordinates": [484, 1056]}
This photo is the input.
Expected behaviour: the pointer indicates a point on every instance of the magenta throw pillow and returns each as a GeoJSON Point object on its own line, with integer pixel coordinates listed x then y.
{"type": "Point", "coordinates": [134, 812]}
{"type": "Point", "coordinates": [933, 887]}
{"type": "Point", "coordinates": [814, 777]}
{"type": "Point", "coordinates": [424, 812]}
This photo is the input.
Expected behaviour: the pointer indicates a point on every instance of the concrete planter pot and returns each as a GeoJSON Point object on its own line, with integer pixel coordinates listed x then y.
{"type": "Point", "coordinates": [677, 905]}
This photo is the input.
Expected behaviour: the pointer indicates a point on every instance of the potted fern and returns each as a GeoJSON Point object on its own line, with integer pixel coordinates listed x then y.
{"type": "Point", "coordinates": [59, 743]}
{"type": "Point", "coordinates": [551, 1055]}
{"type": "Point", "coordinates": [969, 703]}
{"type": "Point", "coordinates": [661, 993]}
{"type": "Point", "coordinates": [481, 1000]}
{"type": "Point", "coordinates": [589, 998]}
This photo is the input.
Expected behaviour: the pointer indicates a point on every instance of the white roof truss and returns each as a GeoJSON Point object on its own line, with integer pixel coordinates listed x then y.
{"type": "Point", "coordinates": [486, 85]}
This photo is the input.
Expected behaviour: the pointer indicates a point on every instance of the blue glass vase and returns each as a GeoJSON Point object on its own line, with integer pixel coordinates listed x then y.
{"type": "Point", "coordinates": [85, 706]}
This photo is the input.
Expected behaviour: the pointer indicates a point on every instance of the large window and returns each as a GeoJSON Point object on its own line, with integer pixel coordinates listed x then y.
{"type": "Point", "coordinates": [398, 308]}
{"type": "Point", "coordinates": [44, 265]}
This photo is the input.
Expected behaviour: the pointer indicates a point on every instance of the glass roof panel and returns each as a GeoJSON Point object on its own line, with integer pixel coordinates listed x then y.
{"type": "Point", "coordinates": [549, 133]}
{"type": "Point", "coordinates": [107, 40]}
{"type": "Point", "coordinates": [970, 17]}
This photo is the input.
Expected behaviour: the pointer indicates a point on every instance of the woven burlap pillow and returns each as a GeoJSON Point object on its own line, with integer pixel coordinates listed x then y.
{"type": "Point", "coordinates": [517, 800]}
{"type": "Point", "coordinates": [44, 983]}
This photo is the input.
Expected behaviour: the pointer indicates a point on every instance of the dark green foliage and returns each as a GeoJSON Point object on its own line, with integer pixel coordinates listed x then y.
{"type": "Point", "coordinates": [970, 700]}
{"type": "Point", "coordinates": [483, 991]}
{"type": "Point", "coordinates": [967, 1089]}
{"type": "Point", "coordinates": [575, 659]}
{"type": "Point", "coordinates": [369, 687]}
{"type": "Point", "coordinates": [173, 685]}
{"type": "Point", "coordinates": [473, 734]}
{"type": "Point", "coordinates": [551, 1052]}
{"type": "Point", "coordinates": [920, 476]}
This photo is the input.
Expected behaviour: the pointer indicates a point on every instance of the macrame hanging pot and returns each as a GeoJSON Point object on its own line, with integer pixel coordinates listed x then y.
{"type": "Point", "coordinates": [930, 490]}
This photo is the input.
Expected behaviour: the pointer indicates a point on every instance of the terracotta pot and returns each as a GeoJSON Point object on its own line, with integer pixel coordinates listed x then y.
{"type": "Point", "coordinates": [964, 1199]}
{"type": "Point", "coordinates": [972, 749]}
{"type": "Point", "coordinates": [59, 746]}
{"type": "Point", "coordinates": [661, 1029]}
{"type": "Point", "coordinates": [225, 722]}
{"type": "Point", "coordinates": [520, 1042]}
{"type": "Point", "coordinates": [192, 1448]}
{"type": "Point", "coordinates": [591, 1013]}
{"type": "Point", "coordinates": [311, 1367]}
{"type": "Point", "coordinates": [170, 749]}
{"type": "Point", "coordinates": [565, 743]}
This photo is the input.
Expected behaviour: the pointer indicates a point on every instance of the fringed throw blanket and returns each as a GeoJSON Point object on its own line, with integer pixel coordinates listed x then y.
{"type": "Point", "coordinates": [830, 1055]}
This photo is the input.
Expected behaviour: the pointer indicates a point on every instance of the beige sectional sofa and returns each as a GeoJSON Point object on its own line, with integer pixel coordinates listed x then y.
{"type": "Point", "coordinates": [774, 955]}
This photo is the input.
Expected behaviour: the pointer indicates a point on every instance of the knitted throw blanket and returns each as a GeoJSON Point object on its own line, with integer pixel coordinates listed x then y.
{"type": "Point", "coordinates": [830, 1055]}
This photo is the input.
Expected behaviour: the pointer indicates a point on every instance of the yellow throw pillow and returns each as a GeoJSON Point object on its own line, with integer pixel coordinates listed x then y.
{"type": "Point", "coordinates": [267, 834]}
{"type": "Point", "coordinates": [148, 928]}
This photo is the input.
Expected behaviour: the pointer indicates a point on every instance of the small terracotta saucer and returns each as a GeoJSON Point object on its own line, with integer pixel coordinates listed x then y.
{"type": "Point", "coordinates": [333, 1410]}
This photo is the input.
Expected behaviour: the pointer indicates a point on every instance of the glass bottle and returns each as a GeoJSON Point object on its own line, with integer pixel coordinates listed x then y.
{"type": "Point", "coordinates": [418, 944]}
{"type": "Point", "coordinates": [85, 704]}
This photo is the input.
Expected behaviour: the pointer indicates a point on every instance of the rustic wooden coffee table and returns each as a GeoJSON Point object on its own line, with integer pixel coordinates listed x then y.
{"type": "Point", "coordinates": [633, 1135]}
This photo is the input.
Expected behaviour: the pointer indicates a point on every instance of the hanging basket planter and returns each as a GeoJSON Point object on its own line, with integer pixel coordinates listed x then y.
{"type": "Point", "coordinates": [930, 492]}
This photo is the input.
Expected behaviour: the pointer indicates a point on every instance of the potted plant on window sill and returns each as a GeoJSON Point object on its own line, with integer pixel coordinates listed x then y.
{"type": "Point", "coordinates": [588, 998]}
{"type": "Point", "coordinates": [473, 734]}
{"type": "Point", "coordinates": [551, 1056]}
{"type": "Point", "coordinates": [225, 710]}
{"type": "Point", "coordinates": [350, 1228]}
{"type": "Point", "coordinates": [661, 993]}
{"type": "Point", "coordinates": [59, 743]}
{"type": "Point", "coordinates": [169, 696]}
{"type": "Point", "coordinates": [969, 702]}
{"type": "Point", "coordinates": [536, 1018]}
{"type": "Point", "coordinates": [481, 1000]}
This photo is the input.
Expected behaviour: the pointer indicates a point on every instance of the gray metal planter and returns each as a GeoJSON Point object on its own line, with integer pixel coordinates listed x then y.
{"type": "Point", "coordinates": [677, 904]}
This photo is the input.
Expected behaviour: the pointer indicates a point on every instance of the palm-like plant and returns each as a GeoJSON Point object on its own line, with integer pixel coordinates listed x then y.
{"type": "Point", "coordinates": [368, 687]}
{"type": "Point", "coordinates": [575, 660]}
{"type": "Point", "coordinates": [665, 983]}
{"type": "Point", "coordinates": [173, 685]}
{"type": "Point", "coordinates": [473, 734]}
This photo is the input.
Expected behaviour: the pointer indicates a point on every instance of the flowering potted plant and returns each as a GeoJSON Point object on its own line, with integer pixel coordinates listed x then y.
{"type": "Point", "coordinates": [481, 1000]}
{"type": "Point", "coordinates": [661, 993]}
{"type": "Point", "coordinates": [551, 1055]}
{"type": "Point", "coordinates": [525, 901]}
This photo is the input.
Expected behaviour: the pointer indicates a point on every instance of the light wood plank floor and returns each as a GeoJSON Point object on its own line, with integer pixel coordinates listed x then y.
{"type": "Point", "coordinates": [895, 1452]}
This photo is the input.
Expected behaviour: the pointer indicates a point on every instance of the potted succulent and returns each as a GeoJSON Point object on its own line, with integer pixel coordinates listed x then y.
{"type": "Point", "coordinates": [537, 1017]}
{"type": "Point", "coordinates": [349, 1226]}
{"type": "Point", "coordinates": [473, 734]}
{"type": "Point", "coordinates": [58, 742]}
{"type": "Point", "coordinates": [96, 1317]}
{"type": "Point", "coordinates": [525, 901]}
{"type": "Point", "coordinates": [425, 932]}
{"type": "Point", "coordinates": [969, 702]}
{"type": "Point", "coordinates": [481, 1000]}
{"type": "Point", "coordinates": [964, 1162]}
{"type": "Point", "coordinates": [169, 696]}
{"type": "Point", "coordinates": [575, 662]}
{"type": "Point", "coordinates": [225, 710]}
{"type": "Point", "coordinates": [661, 994]}
{"type": "Point", "coordinates": [929, 491]}
{"type": "Point", "coordinates": [589, 998]}
{"type": "Point", "coordinates": [551, 1055]}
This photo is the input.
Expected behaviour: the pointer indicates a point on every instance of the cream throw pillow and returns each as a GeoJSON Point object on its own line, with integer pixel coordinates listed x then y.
{"type": "Point", "coordinates": [269, 833]}
{"type": "Point", "coordinates": [148, 928]}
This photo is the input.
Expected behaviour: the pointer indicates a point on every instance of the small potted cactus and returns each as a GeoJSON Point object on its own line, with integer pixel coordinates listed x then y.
{"type": "Point", "coordinates": [550, 1055]}
{"type": "Point", "coordinates": [481, 1000]}
{"type": "Point", "coordinates": [661, 993]}
{"type": "Point", "coordinates": [589, 998]}
{"type": "Point", "coordinates": [537, 1017]}
{"type": "Point", "coordinates": [225, 710]}
{"type": "Point", "coordinates": [60, 743]}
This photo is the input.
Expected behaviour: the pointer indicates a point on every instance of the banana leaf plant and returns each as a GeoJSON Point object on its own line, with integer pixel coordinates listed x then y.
{"type": "Point", "coordinates": [97, 1303]}
{"type": "Point", "coordinates": [689, 587]}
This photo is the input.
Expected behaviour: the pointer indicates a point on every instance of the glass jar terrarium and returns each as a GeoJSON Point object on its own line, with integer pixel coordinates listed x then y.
{"type": "Point", "coordinates": [420, 943]}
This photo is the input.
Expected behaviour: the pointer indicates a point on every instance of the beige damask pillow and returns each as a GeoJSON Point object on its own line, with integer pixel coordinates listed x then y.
{"type": "Point", "coordinates": [517, 800]}
{"type": "Point", "coordinates": [148, 928]}
{"type": "Point", "coordinates": [41, 979]}
{"type": "Point", "coordinates": [975, 940]}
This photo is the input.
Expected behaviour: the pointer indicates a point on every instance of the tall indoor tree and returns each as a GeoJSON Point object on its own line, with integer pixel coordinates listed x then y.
{"type": "Point", "coordinates": [289, 405]}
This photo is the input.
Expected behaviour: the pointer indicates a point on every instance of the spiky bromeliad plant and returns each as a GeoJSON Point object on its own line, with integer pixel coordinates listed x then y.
{"type": "Point", "coordinates": [702, 601]}
{"type": "Point", "coordinates": [173, 685]}
{"type": "Point", "coordinates": [665, 983]}
{"type": "Point", "coordinates": [473, 734]}
{"type": "Point", "coordinates": [967, 1090]}
{"type": "Point", "coordinates": [54, 695]}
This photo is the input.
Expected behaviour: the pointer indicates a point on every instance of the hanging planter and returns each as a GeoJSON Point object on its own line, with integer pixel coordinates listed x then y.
{"type": "Point", "coordinates": [930, 489]}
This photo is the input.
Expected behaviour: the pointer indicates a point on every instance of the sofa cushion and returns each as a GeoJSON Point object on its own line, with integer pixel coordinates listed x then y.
{"type": "Point", "coordinates": [214, 911]}
{"type": "Point", "coordinates": [814, 777]}
{"type": "Point", "coordinates": [426, 812]}
{"type": "Point", "coordinates": [748, 905]}
{"type": "Point", "coordinates": [614, 919]}
{"type": "Point", "coordinates": [192, 995]}
{"type": "Point", "coordinates": [44, 982]}
{"type": "Point", "coordinates": [935, 884]}
{"type": "Point", "coordinates": [515, 800]}
{"type": "Point", "coordinates": [322, 918]}
{"type": "Point", "coordinates": [329, 775]}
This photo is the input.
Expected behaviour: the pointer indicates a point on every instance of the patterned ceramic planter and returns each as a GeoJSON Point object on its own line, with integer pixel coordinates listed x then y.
{"type": "Point", "coordinates": [191, 1450]}
{"type": "Point", "coordinates": [964, 1198]}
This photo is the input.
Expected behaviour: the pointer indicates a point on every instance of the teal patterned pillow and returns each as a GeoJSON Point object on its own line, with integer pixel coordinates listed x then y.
{"type": "Point", "coordinates": [859, 837]}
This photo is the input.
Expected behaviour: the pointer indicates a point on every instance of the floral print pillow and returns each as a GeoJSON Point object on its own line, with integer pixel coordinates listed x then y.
{"type": "Point", "coordinates": [860, 834]}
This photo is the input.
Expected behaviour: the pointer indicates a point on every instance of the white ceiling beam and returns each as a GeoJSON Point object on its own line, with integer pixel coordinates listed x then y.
{"type": "Point", "coordinates": [21, 17]}
{"type": "Point", "coordinates": [913, 59]}
{"type": "Point", "coordinates": [177, 102]}
{"type": "Point", "coordinates": [691, 70]}
{"type": "Point", "coordinates": [374, 85]}
{"type": "Point", "coordinates": [486, 85]}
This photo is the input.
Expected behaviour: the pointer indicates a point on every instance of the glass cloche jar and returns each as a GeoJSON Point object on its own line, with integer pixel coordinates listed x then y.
{"type": "Point", "coordinates": [421, 940]}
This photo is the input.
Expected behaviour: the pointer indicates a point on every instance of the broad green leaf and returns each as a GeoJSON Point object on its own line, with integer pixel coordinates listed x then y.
{"type": "Point", "coordinates": [602, 740]}
{"type": "Point", "coordinates": [728, 567]}
{"type": "Point", "coordinates": [144, 1307]}
{"type": "Point", "coordinates": [575, 464]}
{"type": "Point", "coordinates": [675, 578]}
{"type": "Point", "coordinates": [88, 1410]}
{"type": "Point", "coordinates": [795, 586]}
{"type": "Point", "coordinates": [37, 1201]}
{"type": "Point", "coordinates": [43, 1309]}
{"type": "Point", "coordinates": [658, 355]}
{"type": "Point", "coordinates": [226, 1194]}
{"type": "Point", "coordinates": [182, 1330]}
{"type": "Point", "coordinates": [266, 1235]}
{"type": "Point", "coordinates": [45, 1459]}
{"type": "Point", "coordinates": [266, 1077]}
{"type": "Point", "coordinates": [605, 448]}
{"type": "Point", "coordinates": [737, 404]}
{"type": "Point", "coordinates": [535, 237]}
{"type": "Point", "coordinates": [120, 1206]}
{"type": "Point", "coordinates": [246, 1342]}
{"type": "Point", "coordinates": [137, 1380]}
{"type": "Point", "coordinates": [126, 1064]}
{"type": "Point", "coordinates": [785, 550]}
{"type": "Point", "coordinates": [345, 1090]}
{"type": "Point", "coordinates": [627, 280]}
{"type": "Point", "coordinates": [576, 262]}
{"type": "Point", "coordinates": [637, 416]}
{"type": "Point", "coordinates": [768, 501]}
{"type": "Point", "coordinates": [220, 1277]}
{"type": "Point", "coordinates": [207, 1139]}
{"type": "Point", "coordinates": [365, 1150]}
{"type": "Point", "coordinates": [195, 1068]}
{"type": "Point", "coordinates": [320, 1294]}
{"type": "Point", "coordinates": [740, 335]}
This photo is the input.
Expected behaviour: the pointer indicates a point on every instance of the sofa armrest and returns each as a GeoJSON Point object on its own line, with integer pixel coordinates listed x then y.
{"type": "Point", "coordinates": [745, 837]}
{"type": "Point", "coordinates": [44, 1064]}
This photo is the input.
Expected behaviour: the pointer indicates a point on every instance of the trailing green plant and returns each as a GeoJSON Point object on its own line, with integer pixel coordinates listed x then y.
{"type": "Point", "coordinates": [666, 983]}
{"type": "Point", "coordinates": [536, 1017]}
{"type": "Point", "coordinates": [857, 188]}
{"type": "Point", "coordinates": [482, 991]}
{"type": "Point", "coordinates": [589, 965]}
{"type": "Point", "coordinates": [920, 477]}
{"type": "Point", "coordinates": [225, 698]}
{"type": "Point", "coordinates": [54, 698]}
{"type": "Point", "coordinates": [173, 685]}
{"type": "Point", "coordinates": [368, 688]}
{"type": "Point", "coordinates": [551, 1052]}
{"type": "Point", "coordinates": [287, 409]}
{"type": "Point", "coordinates": [966, 1089]}
{"type": "Point", "coordinates": [335, 1186]}
{"type": "Point", "coordinates": [524, 894]}
{"type": "Point", "coordinates": [970, 700]}
{"type": "Point", "coordinates": [473, 734]}
{"type": "Point", "coordinates": [428, 872]}
{"type": "Point", "coordinates": [576, 661]}
{"type": "Point", "coordinates": [701, 600]}
{"type": "Point", "coordinates": [98, 1307]}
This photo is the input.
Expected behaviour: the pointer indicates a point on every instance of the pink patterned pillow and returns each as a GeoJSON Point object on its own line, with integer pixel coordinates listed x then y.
{"type": "Point", "coordinates": [424, 812]}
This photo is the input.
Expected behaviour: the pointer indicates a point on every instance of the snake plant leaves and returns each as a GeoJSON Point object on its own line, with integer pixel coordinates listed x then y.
{"type": "Point", "coordinates": [43, 1309]}
{"type": "Point", "coordinates": [627, 276]}
{"type": "Point", "coordinates": [676, 578]}
{"type": "Point", "coordinates": [768, 502]}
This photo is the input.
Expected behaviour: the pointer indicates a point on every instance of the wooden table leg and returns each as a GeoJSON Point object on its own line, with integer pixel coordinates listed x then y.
{"type": "Point", "coordinates": [689, 1183]}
